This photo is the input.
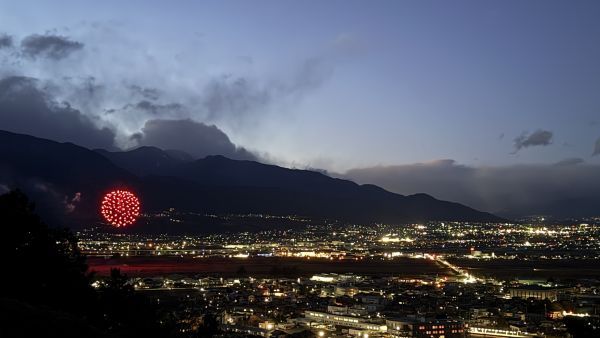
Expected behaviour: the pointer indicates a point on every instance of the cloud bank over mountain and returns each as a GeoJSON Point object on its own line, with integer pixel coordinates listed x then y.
{"type": "Point", "coordinates": [507, 190]}
{"type": "Point", "coordinates": [98, 87]}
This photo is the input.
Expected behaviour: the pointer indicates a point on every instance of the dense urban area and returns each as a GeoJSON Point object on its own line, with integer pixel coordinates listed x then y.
{"type": "Point", "coordinates": [332, 279]}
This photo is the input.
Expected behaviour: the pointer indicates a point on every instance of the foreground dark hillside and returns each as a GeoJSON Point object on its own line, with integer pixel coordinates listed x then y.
{"type": "Point", "coordinates": [46, 287]}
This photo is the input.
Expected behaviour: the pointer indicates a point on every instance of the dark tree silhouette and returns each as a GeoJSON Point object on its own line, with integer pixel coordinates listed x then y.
{"type": "Point", "coordinates": [41, 265]}
{"type": "Point", "coordinates": [209, 327]}
{"type": "Point", "coordinates": [45, 278]}
{"type": "Point", "coordinates": [125, 312]}
{"type": "Point", "coordinates": [583, 327]}
{"type": "Point", "coordinates": [44, 289]}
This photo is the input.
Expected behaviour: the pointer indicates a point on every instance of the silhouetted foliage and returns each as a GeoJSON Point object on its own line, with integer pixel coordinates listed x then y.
{"type": "Point", "coordinates": [42, 265]}
{"type": "Point", "coordinates": [209, 327]}
{"type": "Point", "coordinates": [45, 277]}
{"type": "Point", "coordinates": [583, 327]}
{"type": "Point", "coordinates": [124, 312]}
{"type": "Point", "coordinates": [20, 319]}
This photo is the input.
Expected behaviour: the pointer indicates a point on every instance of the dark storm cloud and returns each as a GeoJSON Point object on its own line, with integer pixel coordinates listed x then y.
{"type": "Point", "coordinates": [596, 147]}
{"type": "Point", "coordinates": [125, 87]}
{"type": "Point", "coordinates": [508, 190]}
{"type": "Point", "coordinates": [87, 86]}
{"type": "Point", "coordinates": [195, 138]}
{"type": "Point", "coordinates": [26, 108]}
{"type": "Point", "coordinates": [155, 108]}
{"type": "Point", "coordinates": [147, 93]}
{"type": "Point", "coordinates": [6, 41]}
{"type": "Point", "coordinates": [123, 84]}
{"type": "Point", "coordinates": [233, 96]}
{"type": "Point", "coordinates": [570, 161]}
{"type": "Point", "coordinates": [51, 46]}
{"type": "Point", "coordinates": [537, 138]}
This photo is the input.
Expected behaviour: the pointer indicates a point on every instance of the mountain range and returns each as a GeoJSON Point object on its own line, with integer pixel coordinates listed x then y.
{"type": "Point", "coordinates": [68, 180]}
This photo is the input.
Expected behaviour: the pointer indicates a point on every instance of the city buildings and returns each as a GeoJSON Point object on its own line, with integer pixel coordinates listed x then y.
{"type": "Point", "coordinates": [440, 279]}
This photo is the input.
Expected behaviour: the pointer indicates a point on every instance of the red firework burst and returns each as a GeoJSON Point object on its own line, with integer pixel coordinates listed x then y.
{"type": "Point", "coordinates": [120, 208]}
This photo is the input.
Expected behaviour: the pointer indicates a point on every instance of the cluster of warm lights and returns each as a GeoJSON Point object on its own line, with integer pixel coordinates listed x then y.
{"type": "Point", "coordinates": [120, 208]}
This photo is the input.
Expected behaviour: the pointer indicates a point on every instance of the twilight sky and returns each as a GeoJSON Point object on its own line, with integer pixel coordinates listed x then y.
{"type": "Point", "coordinates": [380, 86]}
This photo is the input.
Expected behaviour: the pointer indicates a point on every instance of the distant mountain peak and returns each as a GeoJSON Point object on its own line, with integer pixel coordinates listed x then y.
{"type": "Point", "coordinates": [214, 184]}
